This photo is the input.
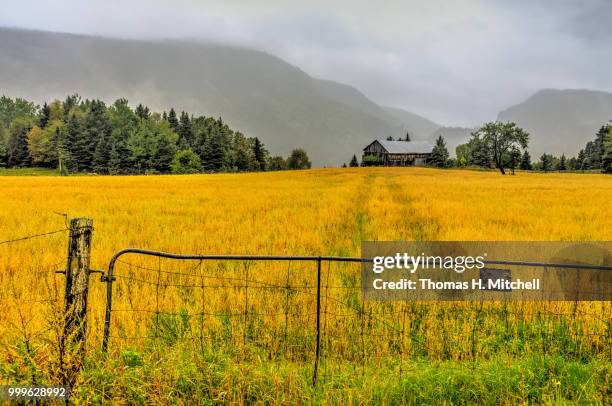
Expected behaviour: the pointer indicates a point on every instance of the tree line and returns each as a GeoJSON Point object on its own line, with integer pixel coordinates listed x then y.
{"type": "Point", "coordinates": [480, 151]}
{"type": "Point", "coordinates": [504, 145]}
{"type": "Point", "coordinates": [77, 135]}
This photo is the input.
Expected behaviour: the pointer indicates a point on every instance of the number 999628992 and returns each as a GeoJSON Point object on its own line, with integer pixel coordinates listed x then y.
{"type": "Point", "coordinates": [26, 392]}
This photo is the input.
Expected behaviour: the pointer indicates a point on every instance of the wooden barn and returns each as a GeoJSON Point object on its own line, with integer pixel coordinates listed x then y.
{"type": "Point", "coordinates": [397, 153]}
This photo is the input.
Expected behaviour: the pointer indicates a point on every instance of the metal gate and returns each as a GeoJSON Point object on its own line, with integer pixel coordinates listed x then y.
{"type": "Point", "coordinates": [238, 281]}
{"type": "Point", "coordinates": [310, 310]}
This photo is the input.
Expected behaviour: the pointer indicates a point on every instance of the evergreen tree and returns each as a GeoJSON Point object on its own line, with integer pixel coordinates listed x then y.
{"type": "Point", "coordinates": [137, 144]}
{"type": "Point", "coordinates": [354, 162]}
{"type": "Point", "coordinates": [17, 144]}
{"type": "Point", "coordinates": [546, 162]}
{"type": "Point", "coordinates": [123, 122]}
{"type": "Point", "coordinates": [606, 160]}
{"type": "Point", "coordinates": [407, 137]}
{"type": "Point", "coordinates": [260, 155]}
{"type": "Point", "coordinates": [102, 154]}
{"type": "Point", "coordinates": [165, 152]}
{"type": "Point", "coordinates": [598, 147]}
{"type": "Point", "coordinates": [592, 159]}
{"type": "Point", "coordinates": [45, 113]}
{"type": "Point", "coordinates": [185, 131]}
{"type": "Point", "coordinates": [119, 157]}
{"type": "Point", "coordinates": [581, 163]}
{"type": "Point", "coordinates": [439, 154]}
{"type": "Point", "coordinates": [214, 152]}
{"type": "Point", "coordinates": [95, 130]}
{"type": "Point", "coordinates": [562, 163]}
{"type": "Point", "coordinates": [389, 138]}
{"type": "Point", "coordinates": [172, 120]}
{"type": "Point", "coordinates": [70, 103]}
{"type": "Point", "coordinates": [152, 146]}
{"type": "Point", "coordinates": [526, 161]}
{"type": "Point", "coordinates": [240, 154]}
{"type": "Point", "coordinates": [75, 143]}
{"type": "Point", "coordinates": [3, 147]}
{"type": "Point", "coordinates": [86, 135]}
{"type": "Point", "coordinates": [142, 112]}
{"type": "Point", "coordinates": [201, 129]}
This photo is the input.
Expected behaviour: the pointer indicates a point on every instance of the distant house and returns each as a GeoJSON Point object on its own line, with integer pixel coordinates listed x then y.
{"type": "Point", "coordinates": [397, 153]}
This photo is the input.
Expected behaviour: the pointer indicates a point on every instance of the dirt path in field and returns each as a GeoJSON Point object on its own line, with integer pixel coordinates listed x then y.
{"type": "Point", "coordinates": [383, 206]}
{"type": "Point", "coordinates": [354, 226]}
{"type": "Point", "coordinates": [414, 224]}
{"type": "Point", "coordinates": [388, 209]}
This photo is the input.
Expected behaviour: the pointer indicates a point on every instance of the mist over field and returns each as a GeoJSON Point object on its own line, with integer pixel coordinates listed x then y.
{"type": "Point", "coordinates": [330, 81]}
{"type": "Point", "coordinates": [168, 234]}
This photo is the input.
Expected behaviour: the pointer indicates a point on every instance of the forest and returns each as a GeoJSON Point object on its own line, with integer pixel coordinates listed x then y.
{"type": "Point", "coordinates": [77, 135]}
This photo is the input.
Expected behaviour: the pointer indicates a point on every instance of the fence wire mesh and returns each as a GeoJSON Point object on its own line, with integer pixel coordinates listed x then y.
{"type": "Point", "coordinates": [31, 302]}
{"type": "Point", "coordinates": [267, 309]}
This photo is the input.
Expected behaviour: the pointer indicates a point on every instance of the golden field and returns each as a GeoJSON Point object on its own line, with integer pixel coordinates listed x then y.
{"type": "Point", "coordinates": [315, 212]}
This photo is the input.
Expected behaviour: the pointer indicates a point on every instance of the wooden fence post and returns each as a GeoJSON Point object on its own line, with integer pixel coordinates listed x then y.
{"type": "Point", "coordinates": [72, 349]}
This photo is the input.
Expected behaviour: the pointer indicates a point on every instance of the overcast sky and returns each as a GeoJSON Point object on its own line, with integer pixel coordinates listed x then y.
{"type": "Point", "coordinates": [455, 62]}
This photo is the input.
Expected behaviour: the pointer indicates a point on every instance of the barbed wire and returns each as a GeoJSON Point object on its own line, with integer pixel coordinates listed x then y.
{"type": "Point", "coordinates": [29, 237]}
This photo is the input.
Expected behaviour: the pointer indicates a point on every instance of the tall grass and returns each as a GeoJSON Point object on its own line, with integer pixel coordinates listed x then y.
{"type": "Point", "coordinates": [224, 342]}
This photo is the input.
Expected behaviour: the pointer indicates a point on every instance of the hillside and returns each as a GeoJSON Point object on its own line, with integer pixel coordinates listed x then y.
{"type": "Point", "coordinates": [419, 127]}
{"type": "Point", "coordinates": [261, 95]}
{"type": "Point", "coordinates": [561, 121]}
{"type": "Point", "coordinates": [255, 92]}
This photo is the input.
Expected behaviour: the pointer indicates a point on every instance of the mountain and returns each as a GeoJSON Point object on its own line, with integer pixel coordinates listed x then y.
{"type": "Point", "coordinates": [453, 136]}
{"type": "Point", "coordinates": [256, 93]}
{"type": "Point", "coordinates": [561, 121]}
{"type": "Point", "coordinates": [418, 127]}
{"type": "Point", "coordinates": [262, 95]}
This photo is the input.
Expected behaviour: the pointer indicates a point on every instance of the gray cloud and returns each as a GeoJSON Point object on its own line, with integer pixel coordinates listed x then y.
{"type": "Point", "coordinates": [456, 62]}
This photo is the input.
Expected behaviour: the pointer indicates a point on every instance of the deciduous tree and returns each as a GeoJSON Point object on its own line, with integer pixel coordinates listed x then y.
{"type": "Point", "coordinates": [186, 161]}
{"type": "Point", "coordinates": [298, 160]}
{"type": "Point", "coordinates": [500, 138]}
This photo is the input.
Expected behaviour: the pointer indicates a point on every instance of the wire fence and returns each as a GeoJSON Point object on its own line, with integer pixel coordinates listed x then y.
{"type": "Point", "coordinates": [31, 303]}
{"type": "Point", "coordinates": [301, 310]}
{"type": "Point", "coordinates": [311, 310]}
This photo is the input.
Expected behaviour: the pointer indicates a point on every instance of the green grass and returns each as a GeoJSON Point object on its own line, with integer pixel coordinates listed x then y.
{"type": "Point", "coordinates": [28, 172]}
{"type": "Point", "coordinates": [35, 172]}
{"type": "Point", "coordinates": [185, 377]}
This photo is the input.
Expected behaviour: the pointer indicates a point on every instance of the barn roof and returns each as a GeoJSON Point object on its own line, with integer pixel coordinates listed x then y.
{"type": "Point", "coordinates": [406, 147]}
